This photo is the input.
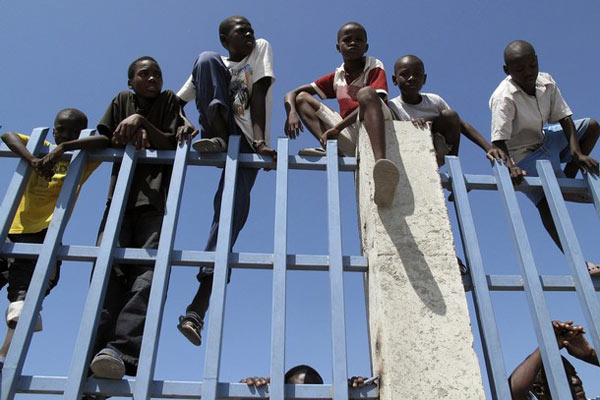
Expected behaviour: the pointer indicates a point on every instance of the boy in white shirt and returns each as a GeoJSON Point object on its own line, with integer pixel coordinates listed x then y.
{"type": "Point", "coordinates": [521, 105]}
{"type": "Point", "coordinates": [233, 96]}
{"type": "Point", "coordinates": [428, 109]}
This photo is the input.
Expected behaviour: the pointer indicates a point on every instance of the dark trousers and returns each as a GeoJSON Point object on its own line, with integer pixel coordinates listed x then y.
{"type": "Point", "coordinates": [211, 79]}
{"type": "Point", "coordinates": [124, 310]}
{"type": "Point", "coordinates": [17, 272]}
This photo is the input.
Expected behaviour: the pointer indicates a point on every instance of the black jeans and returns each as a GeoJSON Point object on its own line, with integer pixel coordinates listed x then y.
{"type": "Point", "coordinates": [17, 272]}
{"type": "Point", "coordinates": [124, 311]}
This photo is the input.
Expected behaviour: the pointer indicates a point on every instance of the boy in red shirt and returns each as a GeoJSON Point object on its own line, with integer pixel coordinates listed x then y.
{"type": "Point", "coordinates": [360, 87]}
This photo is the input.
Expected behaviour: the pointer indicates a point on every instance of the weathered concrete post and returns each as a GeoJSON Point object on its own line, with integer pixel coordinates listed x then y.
{"type": "Point", "coordinates": [421, 341]}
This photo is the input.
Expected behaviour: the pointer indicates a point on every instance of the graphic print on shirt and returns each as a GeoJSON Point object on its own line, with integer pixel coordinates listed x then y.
{"type": "Point", "coordinates": [239, 92]}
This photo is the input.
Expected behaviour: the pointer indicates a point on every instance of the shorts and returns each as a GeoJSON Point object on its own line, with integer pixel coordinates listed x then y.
{"type": "Point", "coordinates": [348, 139]}
{"type": "Point", "coordinates": [555, 148]}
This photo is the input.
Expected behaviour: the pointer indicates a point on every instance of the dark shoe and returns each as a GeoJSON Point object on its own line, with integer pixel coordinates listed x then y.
{"type": "Point", "coordinates": [108, 364]}
{"type": "Point", "coordinates": [190, 327]}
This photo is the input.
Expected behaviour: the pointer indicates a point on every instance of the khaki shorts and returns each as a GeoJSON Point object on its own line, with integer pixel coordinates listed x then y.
{"type": "Point", "coordinates": [348, 139]}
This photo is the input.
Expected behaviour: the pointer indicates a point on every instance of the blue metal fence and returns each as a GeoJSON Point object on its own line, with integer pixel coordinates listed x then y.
{"type": "Point", "coordinates": [144, 386]}
{"type": "Point", "coordinates": [529, 281]}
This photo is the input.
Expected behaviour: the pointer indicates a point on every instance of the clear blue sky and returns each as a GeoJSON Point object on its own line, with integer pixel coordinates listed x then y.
{"type": "Point", "coordinates": [75, 54]}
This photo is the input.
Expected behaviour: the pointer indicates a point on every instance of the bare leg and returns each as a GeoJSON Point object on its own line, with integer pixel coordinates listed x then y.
{"type": "Point", "coordinates": [447, 124]}
{"type": "Point", "coordinates": [4, 349]}
{"type": "Point", "coordinates": [307, 107]}
{"type": "Point", "coordinates": [587, 143]}
{"type": "Point", "coordinates": [371, 114]}
{"type": "Point", "coordinates": [219, 126]}
{"type": "Point", "coordinates": [546, 216]}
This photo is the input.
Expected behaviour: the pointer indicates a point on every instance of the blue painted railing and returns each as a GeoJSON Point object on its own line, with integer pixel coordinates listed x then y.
{"type": "Point", "coordinates": [144, 386]}
{"type": "Point", "coordinates": [529, 281]}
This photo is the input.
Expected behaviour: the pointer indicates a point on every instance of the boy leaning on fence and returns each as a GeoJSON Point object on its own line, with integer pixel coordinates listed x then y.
{"type": "Point", "coordinates": [524, 102]}
{"type": "Point", "coordinates": [148, 118]}
{"type": "Point", "coordinates": [37, 206]}
{"type": "Point", "coordinates": [233, 96]}
{"type": "Point", "coordinates": [430, 110]}
{"type": "Point", "coordinates": [360, 87]}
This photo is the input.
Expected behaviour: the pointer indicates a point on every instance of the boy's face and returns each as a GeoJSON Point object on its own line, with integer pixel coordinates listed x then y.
{"type": "Point", "coordinates": [524, 69]}
{"type": "Point", "coordinates": [147, 79]}
{"type": "Point", "coordinates": [65, 129]}
{"type": "Point", "coordinates": [240, 40]}
{"type": "Point", "coordinates": [352, 43]}
{"type": "Point", "coordinates": [409, 76]}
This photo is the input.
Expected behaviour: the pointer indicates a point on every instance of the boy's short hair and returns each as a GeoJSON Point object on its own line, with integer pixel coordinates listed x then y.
{"type": "Point", "coordinates": [228, 23]}
{"type": "Point", "coordinates": [74, 115]}
{"type": "Point", "coordinates": [311, 376]}
{"type": "Point", "coordinates": [353, 23]}
{"type": "Point", "coordinates": [411, 57]}
{"type": "Point", "coordinates": [514, 47]}
{"type": "Point", "coordinates": [131, 69]}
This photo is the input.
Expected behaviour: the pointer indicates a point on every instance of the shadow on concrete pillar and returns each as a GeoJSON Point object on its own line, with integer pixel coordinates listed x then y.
{"type": "Point", "coordinates": [421, 339]}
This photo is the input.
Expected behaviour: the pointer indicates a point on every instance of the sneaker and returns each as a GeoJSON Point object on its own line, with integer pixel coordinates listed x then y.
{"type": "Point", "coordinates": [593, 269]}
{"type": "Point", "coordinates": [108, 364]}
{"type": "Point", "coordinates": [313, 151]}
{"type": "Point", "coordinates": [212, 145]}
{"type": "Point", "coordinates": [385, 177]}
{"type": "Point", "coordinates": [190, 327]}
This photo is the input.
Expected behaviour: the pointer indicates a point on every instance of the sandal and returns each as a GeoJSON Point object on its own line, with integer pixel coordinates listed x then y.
{"type": "Point", "coordinates": [212, 145]}
{"type": "Point", "coordinates": [190, 327]}
{"type": "Point", "coordinates": [385, 179]}
{"type": "Point", "coordinates": [313, 151]}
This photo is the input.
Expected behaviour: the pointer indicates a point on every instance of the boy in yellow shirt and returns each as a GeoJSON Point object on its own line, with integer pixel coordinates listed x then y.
{"type": "Point", "coordinates": [37, 206]}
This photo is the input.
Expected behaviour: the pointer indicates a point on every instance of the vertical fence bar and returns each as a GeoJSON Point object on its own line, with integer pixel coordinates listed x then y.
{"type": "Point", "coordinates": [490, 339]}
{"type": "Point", "coordinates": [214, 338]}
{"type": "Point", "coordinates": [17, 184]}
{"type": "Point", "coordinates": [336, 275]}
{"type": "Point", "coordinates": [572, 249]}
{"type": "Point", "coordinates": [99, 282]}
{"type": "Point", "coordinates": [160, 279]}
{"type": "Point", "coordinates": [43, 269]}
{"type": "Point", "coordinates": [593, 182]}
{"type": "Point", "coordinates": [277, 387]}
{"type": "Point", "coordinates": [557, 379]}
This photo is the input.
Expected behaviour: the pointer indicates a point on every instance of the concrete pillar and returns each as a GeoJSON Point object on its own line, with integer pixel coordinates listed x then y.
{"type": "Point", "coordinates": [421, 340]}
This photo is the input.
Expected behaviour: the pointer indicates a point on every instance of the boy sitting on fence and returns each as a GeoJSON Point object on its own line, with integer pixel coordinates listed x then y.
{"type": "Point", "coordinates": [233, 96]}
{"type": "Point", "coordinates": [149, 118]}
{"type": "Point", "coordinates": [360, 87]}
{"type": "Point", "coordinates": [430, 110]}
{"type": "Point", "coordinates": [37, 206]}
{"type": "Point", "coordinates": [521, 105]}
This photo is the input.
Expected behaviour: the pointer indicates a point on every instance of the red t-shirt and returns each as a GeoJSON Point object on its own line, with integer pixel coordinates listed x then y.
{"type": "Point", "coordinates": [335, 85]}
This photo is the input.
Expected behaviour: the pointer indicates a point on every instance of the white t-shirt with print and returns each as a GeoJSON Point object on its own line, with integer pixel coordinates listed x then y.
{"type": "Point", "coordinates": [244, 74]}
{"type": "Point", "coordinates": [431, 106]}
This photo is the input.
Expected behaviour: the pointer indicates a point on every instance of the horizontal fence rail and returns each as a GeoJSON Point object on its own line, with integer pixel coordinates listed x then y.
{"type": "Point", "coordinates": [163, 258]}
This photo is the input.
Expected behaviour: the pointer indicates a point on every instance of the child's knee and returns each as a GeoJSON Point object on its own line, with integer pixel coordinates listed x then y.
{"type": "Point", "coordinates": [367, 95]}
{"type": "Point", "coordinates": [594, 128]}
{"type": "Point", "coordinates": [303, 98]}
{"type": "Point", "coordinates": [208, 57]}
{"type": "Point", "coordinates": [450, 116]}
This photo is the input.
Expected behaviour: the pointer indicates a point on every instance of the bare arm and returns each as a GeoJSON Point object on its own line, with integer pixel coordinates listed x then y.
{"type": "Point", "coordinates": [521, 380]}
{"type": "Point", "coordinates": [347, 121]}
{"type": "Point", "coordinates": [87, 143]}
{"type": "Point", "coordinates": [293, 126]}
{"type": "Point", "coordinates": [258, 113]}
{"type": "Point", "coordinates": [17, 145]}
{"type": "Point", "coordinates": [492, 152]}
{"type": "Point", "coordinates": [586, 163]}
{"type": "Point", "coordinates": [14, 142]}
{"type": "Point", "coordinates": [141, 132]}
{"type": "Point", "coordinates": [516, 173]}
